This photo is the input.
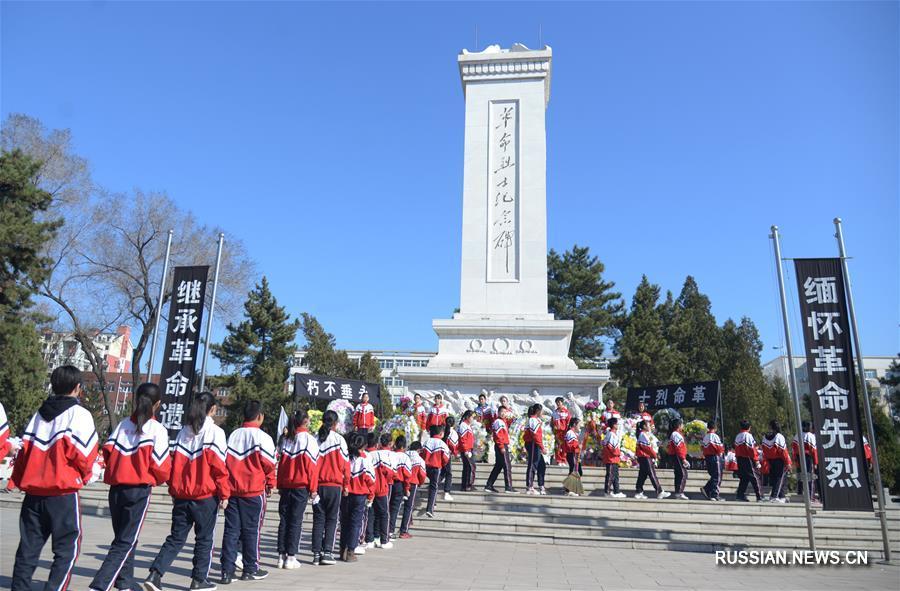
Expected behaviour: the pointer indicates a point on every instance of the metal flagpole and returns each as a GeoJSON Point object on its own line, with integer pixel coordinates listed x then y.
{"type": "Point", "coordinates": [162, 292]}
{"type": "Point", "coordinates": [212, 307]}
{"type": "Point", "coordinates": [879, 490]}
{"type": "Point", "coordinates": [805, 476]}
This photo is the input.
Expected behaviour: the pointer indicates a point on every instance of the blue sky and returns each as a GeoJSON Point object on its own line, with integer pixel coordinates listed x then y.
{"type": "Point", "coordinates": [329, 138]}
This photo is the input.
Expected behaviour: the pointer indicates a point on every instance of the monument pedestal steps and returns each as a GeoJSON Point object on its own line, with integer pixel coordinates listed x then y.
{"type": "Point", "coordinates": [696, 525]}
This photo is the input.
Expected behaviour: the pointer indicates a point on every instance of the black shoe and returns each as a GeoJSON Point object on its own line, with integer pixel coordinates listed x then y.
{"type": "Point", "coordinates": [255, 576]}
{"type": "Point", "coordinates": [511, 490]}
{"type": "Point", "coordinates": [153, 582]}
{"type": "Point", "coordinates": [491, 489]}
{"type": "Point", "coordinates": [327, 559]}
{"type": "Point", "coordinates": [204, 585]}
{"type": "Point", "coordinates": [226, 579]}
{"type": "Point", "coordinates": [317, 558]}
{"type": "Point", "coordinates": [742, 499]}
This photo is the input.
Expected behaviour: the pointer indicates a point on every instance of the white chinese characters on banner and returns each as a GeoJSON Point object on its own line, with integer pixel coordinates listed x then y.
{"type": "Point", "coordinates": [503, 192]}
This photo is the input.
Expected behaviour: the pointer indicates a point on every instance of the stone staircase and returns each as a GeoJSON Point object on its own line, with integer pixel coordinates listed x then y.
{"type": "Point", "coordinates": [696, 525]}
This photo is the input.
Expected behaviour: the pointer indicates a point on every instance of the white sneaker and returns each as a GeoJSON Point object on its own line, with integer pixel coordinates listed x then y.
{"type": "Point", "coordinates": [360, 550]}
{"type": "Point", "coordinates": [280, 563]}
{"type": "Point", "coordinates": [543, 491]}
{"type": "Point", "coordinates": [377, 543]}
{"type": "Point", "coordinates": [782, 501]}
{"type": "Point", "coordinates": [618, 495]}
{"type": "Point", "coordinates": [239, 562]}
{"type": "Point", "coordinates": [291, 563]}
{"type": "Point", "coordinates": [640, 495]}
{"type": "Point", "coordinates": [572, 494]}
{"type": "Point", "coordinates": [531, 491]}
{"type": "Point", "coordinates": [370, 545]}
{"type": "Point", "coordinates": [663, 494]}
{"type": "Point", "coordinates": [448, 497]}
{"type": "Point", "coordinates": [387, 546]}
{"type": "Point", "coordinates": [682, 496]}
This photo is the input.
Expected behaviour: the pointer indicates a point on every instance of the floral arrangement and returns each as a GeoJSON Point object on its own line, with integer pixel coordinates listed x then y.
{"type": "Point", "coordinates": [344, 412]}
{"type": "Point", "coordinates": [407, 405]}
{"type": "Point", "coordinates": [315, 420]}
{"type": "Point", "coordinates": [592, 405]}
{"type": "Point", "coordinates": [402, 424]}
{"type": "Point", "coordinates": [517, 439]}
{"type": "Point", "coordinates": [694, 431]}
{"type": "Point", "coordinates": [481, 449]}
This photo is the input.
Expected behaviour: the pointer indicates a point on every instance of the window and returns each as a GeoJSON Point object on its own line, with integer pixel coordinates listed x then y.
{"type": "Point", "coordinates": [388, 381]}
{"type": "Point", "coordinates": [386, 363]}
{"type": "Point", "coordinates": [871, 374]}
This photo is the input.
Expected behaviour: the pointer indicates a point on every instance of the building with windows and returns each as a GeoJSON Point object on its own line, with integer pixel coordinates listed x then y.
{"type": "Point", "coordinates": [61, 348]}
{"type": "Point", "coordinates": [389, 361]}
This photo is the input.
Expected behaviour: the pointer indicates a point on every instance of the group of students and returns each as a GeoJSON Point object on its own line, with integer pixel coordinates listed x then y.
{"type": "Point", "coordinates": [363, 484]}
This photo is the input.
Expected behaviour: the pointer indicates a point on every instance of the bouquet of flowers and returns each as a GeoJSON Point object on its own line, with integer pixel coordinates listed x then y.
{"type": "Point", "coordinates": [344, 412]}
{"type": "Point", "coordinates": [407, 405]}
{"type": "Point", "coordinates": [627, 450]}
{"type": "Point", "coordinates": [402, 424]}
{"type": "Point", "coordinates": [482, 442]}
{"type": "Point", "coordinates": [694, 431]}
{"type": "Point", "coordinates": [315, 420]}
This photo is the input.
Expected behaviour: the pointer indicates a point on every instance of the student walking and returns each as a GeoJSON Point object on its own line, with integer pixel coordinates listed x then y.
{"type": "Point", "coordinates": [534, 448]}
{"type": "Point", "coordinates": [56, 459]}
{"type": "Point", "coordinates": [137, 458]}
{"type": "Point", "coordinates": [400, 488]}
{"type": "Point", "coordinates": [382, 461]}
{"type": "Point", "coordinates": [298, 484]}
{"type": "Point", "coordinates": [677, 448]}
{"type": "Point", "coordinates": [611, 455]}
{"type": "Point", "coordinates": [466, 445]}
{"type": "Point", "coordinates": [646, 456]}
{"type": "Point", "coordinates": [713, 449]}
{"type": "Point", "coordinates": [416, 479]}
{"type": "Point", "coordinates": [810, 455]}
{"type": "Point", "coordinates": [436, 455]}
{"type": "Point", "coordinates": [501, 456]}
{"type": "Point", "coordinates": [199, 486]}
{"type": "Point", "coordinates": [775, 453]}
{"type": "Point", "coordinates": [358, 493]}
{"type": "Point", "coordinates": [333, 465]}
{"type": "Point", "coordinates": [451, 438]}
{"type": "Point", "coordinates": [748, 462]}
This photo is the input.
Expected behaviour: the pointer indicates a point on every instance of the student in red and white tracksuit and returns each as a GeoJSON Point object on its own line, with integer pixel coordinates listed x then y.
{"type": "Point", "coordinates": [377, 527]}
{"type": "Point", "coordinates": [400, 487]}
{"type": "Point", "coordinates": [333, 467]}
{"type": "Point", "coordinates": [466, 445]}
{"type": "Point", "coordinates": [810, 455]}
{"type": "Point", "coordinates": [534, 448]}
{"type": "Point", "coordinates": [610, 413]}
{"type": "Point", "coordinates": [199, 485]}
{"type": "Point", "coordinates": [416, 479]}
{"type": "Point", "coordinates": [420, 412]}
{"type": "Point", "coordinates": [298, 483]}
{"type": "Point", "coordinates": [573, 447]}
{"type": "Point", "coordinates": [436, 455]}
{"type": "Point", "coordinates": [643, 415]}
{"type": "Point", "coordinates": [251, 463]}
{"type": "Point", "coordinates": [364, 416]}
{"type": "Point", "coordinates": [559, 421]}
{"type": "Point", "coordinates": [776, 455]}
{"type": "Point", "coordinates": [677, 448]}
{"type": "Point", "coordinates": [438, 413]}
{"type": "Point", "coordinates": [56, 458]}
{"type": "Point", "coordinates": [500, 433]}
{"type": "Point", "coordinates": [748, 462]}
{"type": "Point", "coordinates": [611, 455]}
{"type": "Point", "coordinates": [359, 491]}
{"type": "Point", "coordinates": [137, 459]}
{"type": "Point", "coordinates": [483, 411]}
{"type": "Point", "coordinates": [713, 449]}
{"type": "Point", "coordinates": [451, 438]}
{"type": "Point", "coordinates": [646, 456]}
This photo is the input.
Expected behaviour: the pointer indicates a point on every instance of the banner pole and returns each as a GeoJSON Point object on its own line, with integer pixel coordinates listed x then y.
{"type": "Point", "coordinates": [879, 490]}
{"type": "Point", "coordinates": [794, 391]}
{"type": "Point", "coordinates": [212, 307]}
{"type": "Point", "coordinates": [159, 303]}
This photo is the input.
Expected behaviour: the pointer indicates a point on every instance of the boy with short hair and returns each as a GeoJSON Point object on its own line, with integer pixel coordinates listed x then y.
{"type": "Point", "coordinates": [810, 455]}
{"type": "Point", "coordinates": [416, 479]}
{"type": "Point", "coordinates": [385, 471]}
{"type": "Point", "coordinates": [534, 448]}
{"type": "Point", "coordinates": [677, 448]}
{"type": "Point", "coordinates": [646, 456]}
{"type": "Point", "coordinates": [713, 450]}
{"type": "Point", "coordinates": [438, 413]}
{"type": "Point", "coordinates": [400, 487]}
{"type": "Point", "coordinates": [436, 455]}
{"type": "Point", "coordinates": [748, 462]}
{"type": "Point", "coordinates": [611, 454]}
{"type": "Point", "coordinates": [500, 434]}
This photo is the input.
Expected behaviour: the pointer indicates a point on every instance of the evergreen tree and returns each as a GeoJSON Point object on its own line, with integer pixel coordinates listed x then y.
{"type": "Point", "coordinates": [644, 357]}
{"type": "Point", "coordinates": [260, 350]}
{"type": "Point", "coordinates": [577, 292]}
{"type": "Point", "coordinates": [22, 238]}
{"type": "Point", "coordinates": [695, 336]}
{"type": "Point", "coordinates": [892, 380]}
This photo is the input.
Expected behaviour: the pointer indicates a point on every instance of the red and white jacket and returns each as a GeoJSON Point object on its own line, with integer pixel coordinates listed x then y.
{"type": "Point", "coordinates": [809, 447]}
{"type": "Point", "coordinates": [500, 433]}
{"type": "Point", "coordinates": [712, 445]}
{"type": "Point", "coordinates": [58, 452]}
{"type": "Point", "coordinates": [677, 446]}
{"type": "Point", "coordinates": [559, 420]}
{"type": "Point", "coordinates": [466, 438]}
{"type": "Point", "coordinates": [198, 463]}
{"type": "Point", "coordinates": [359, 477]}
{"type": "Point", "coordinates": [775, 448]}
{"type": "Point", "coordinates": [382, 461]}
{"type": "Point", "coordinates": [333, 460]}
{"type": "Point", "coordinates": [573, 445]}
{"type": "Point", "coordinates": [364, 416]}
{"type": "Point", "coordinates": [421, 415]}
{"type": "Point", "coordinates": [417, 472]}
{"type": "Point", "coordinates": [4, 433]}
{"type": "Point", "coordinates": [435, 453]}
{"type": "Point", "coordinates": [437, 415]}
{"type": "Point", "coordinates": [745, 446]}
{"type": "Point", "coordinates": [612, 447]}
{"type": "Point", "coordinates": [534, 432]}
{"type": "Point", "coordinates": [403, 469]}
{"type": "Point", "coordinates": [250, 461]}
{"type": "Point", "coordinates": [298, 464]}
{"type": "Point", "coordinates": [609, 414]}
{"type": "Point", "coordinates": [137, 456]}
{"type": "Point", "coordinates": [648, 418]}
{"type": "Point", "coordinates": [645, 447]}
{"type": "Point", "coordinates": [452, 440]}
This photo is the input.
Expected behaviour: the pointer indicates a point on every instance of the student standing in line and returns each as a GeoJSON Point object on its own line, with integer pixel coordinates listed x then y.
{"type": "Point", "coordinates": [333, 466]}
{"type": "Point", "coordinates": [400, 488]}
{"type": "Point", "coordinates": [646, 456]}
{"type": "Point", "coordinates": [436, 455]}
{"type": "Point", "coordinates": [466, 445]}
{"type": "Point", "coordinates": [359, 491]}
{"type": "Point", "coordinates": [298, 483]}
{"type": "Point", "coordinates": [56, 459]}
{"type": "Point", "coordinates": [416, 479]}
{"type": "Point", "coordinates": [677, 448]}
{"type": "Point", "coordinates": [611, 455]}
{"type": "Point", "coordinates": [748, 462]}
{"type": "Point", "coordinates": [382, 461]}
{"type": "Point", "coordinates": [776, 454]}
{"type": "Point", "coordinates": [137, 459]}
{"type": "Point", "coordinates": [713, 449]}
{"type": "Point", "coordinates": [251, 464]}
{"type": "Point", "coordinates": [451, 438]}
{"type": "Point", "coordinates": [199, 486]}
{"type": "Point", "coordinates": [810, 456]}
{"type": "Point", "coordinates": [500, 433]}
{"type": "Point", "coordinates": [559, 420]}
{"type": "Point", "coordinates": [364, 416]}
{"type": "Point", "coordinates": [534, 448]}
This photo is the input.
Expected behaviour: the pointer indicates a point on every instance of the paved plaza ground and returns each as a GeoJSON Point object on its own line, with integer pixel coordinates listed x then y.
{"type": "Point", "coordinates": [425, 563]}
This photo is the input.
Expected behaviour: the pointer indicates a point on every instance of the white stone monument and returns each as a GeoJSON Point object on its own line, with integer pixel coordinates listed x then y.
{"type": "Point", "coordinates": [503, 339]}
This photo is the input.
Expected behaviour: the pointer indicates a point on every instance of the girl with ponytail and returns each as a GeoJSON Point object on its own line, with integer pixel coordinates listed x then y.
{"type": "Point", "coordinates": [137, 458]}
{"type": "Point", "coordinates": [333, 464]}
{"type": "Point", "coordinates": [298, 483]}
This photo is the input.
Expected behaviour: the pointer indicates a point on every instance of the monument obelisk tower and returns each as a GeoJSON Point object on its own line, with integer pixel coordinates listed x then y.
{"type": "Point", "coordinates": [503, 337]}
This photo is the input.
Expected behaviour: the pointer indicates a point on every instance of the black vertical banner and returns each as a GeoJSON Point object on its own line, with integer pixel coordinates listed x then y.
{"type": "Point", "coordinates": [843, 473]}
{"type": "Point", "coordinates": [182, 344]}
